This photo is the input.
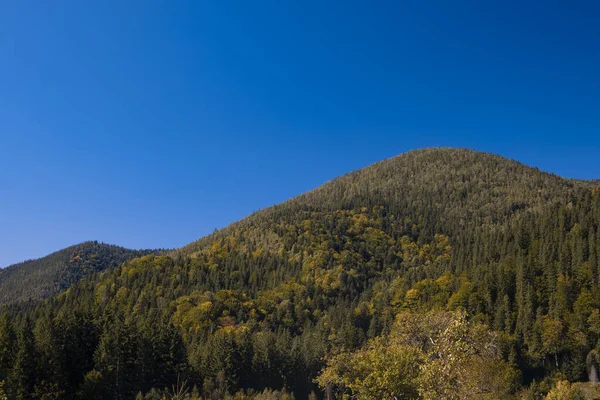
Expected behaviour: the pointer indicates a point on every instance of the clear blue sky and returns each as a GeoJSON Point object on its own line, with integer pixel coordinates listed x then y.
{"type": "Point", "coordinates": [151, 123]}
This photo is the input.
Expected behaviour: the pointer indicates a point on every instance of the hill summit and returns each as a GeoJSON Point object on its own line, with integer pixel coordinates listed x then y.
{"type": "Point", "coordinates": [47, 276]}
{"type": "Point", "coordinates": [448, 187]}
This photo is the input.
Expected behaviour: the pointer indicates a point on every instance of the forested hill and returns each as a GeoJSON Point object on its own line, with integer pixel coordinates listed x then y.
{"type": "Point", "coordinates": [443, 189]}
{"type": "Point", "coordinates": [47, 276]}
{"type": "Point", "coordinates": [436, 274]}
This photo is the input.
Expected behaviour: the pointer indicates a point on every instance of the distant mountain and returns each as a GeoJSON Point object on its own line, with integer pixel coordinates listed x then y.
{"type": "Point", "coordinates": [47, 276]}
{"type": "Point", "coordinates": [439, 273]}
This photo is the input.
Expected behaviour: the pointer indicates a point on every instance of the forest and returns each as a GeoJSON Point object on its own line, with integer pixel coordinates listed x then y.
{"type": "Point", "coordinates": [50, 275]}
{"type": "Point", "coordinates": [437, 274]}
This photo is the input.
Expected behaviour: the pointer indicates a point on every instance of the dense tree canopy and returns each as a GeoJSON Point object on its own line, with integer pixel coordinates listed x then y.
{"type": "Point", "coordinates": [50, 275]}
{"type": "Point", "coordinates": [437, 274]}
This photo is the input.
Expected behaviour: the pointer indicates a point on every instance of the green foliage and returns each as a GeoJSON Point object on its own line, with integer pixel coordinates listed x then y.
{"type": "Point", "coordinates": [463, 360]}
{"type": "Point", "coordinates": [379, 371]}
{"type": "Point", "coordinates": [438, 355]}
{"type": "Point", "coordinates": [565, 391]}
{"type": "Point", "coordinates": [22, 377]}
{"type": "Point", "coordinates": [347, 270]}
{"type": "Point", "coordinates": [8, 343]}
{"type": "Point", "coordinates": [3, 395]}
{"type": "Point", "coordinates": [50, 275]}
{"type": "Point", "coordinates": [92, 387]}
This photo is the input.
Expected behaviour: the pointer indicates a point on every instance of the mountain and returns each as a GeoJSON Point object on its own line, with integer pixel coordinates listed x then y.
{"type": "Point", "coordinates": [50, 275]}
{"type": "Point", "coordinates": [439, 273]}
{"type": "Point", "coordinates": [450, 187]}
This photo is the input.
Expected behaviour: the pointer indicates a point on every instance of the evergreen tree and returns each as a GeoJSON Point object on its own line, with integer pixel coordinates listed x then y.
{"type": "Point", "coordinates": [25, 370]}
{"type": "Point", "coordinates": [8, 342]}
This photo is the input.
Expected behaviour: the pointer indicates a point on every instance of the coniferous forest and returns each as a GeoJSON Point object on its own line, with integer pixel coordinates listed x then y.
{"type": "Point", "coordinates": [437, 274]}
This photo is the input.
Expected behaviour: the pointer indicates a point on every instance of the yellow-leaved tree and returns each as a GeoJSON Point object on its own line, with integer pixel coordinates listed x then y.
{"type": "Point", "coordinates": [436, 355]}
{"type": "Point", "coordinates": [565, 391]}
{"type": "Point", "coordinates": [379, 371]}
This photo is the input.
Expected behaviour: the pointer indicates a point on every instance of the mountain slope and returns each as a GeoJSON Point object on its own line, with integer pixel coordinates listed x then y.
{"type": "Point", "coordinates": [264, 302]}
{"type": "Point", "coordinates": [50, 275]}
{"type": "Point", "coordinates": [450, 187]}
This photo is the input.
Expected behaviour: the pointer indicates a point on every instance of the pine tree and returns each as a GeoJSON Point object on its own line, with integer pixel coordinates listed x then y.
{"type": "Point", "coordinates": [52, 377]}
{"type": "Point", "coordinates": [23, 375]}
{"type": "Point", "coordinates": [8, 341]}
{"type": "Point", "coordinates": [116, 359]}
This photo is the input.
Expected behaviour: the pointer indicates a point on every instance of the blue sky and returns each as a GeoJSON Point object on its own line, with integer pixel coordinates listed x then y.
{"type": "Point", "coordinates": [151, 123]}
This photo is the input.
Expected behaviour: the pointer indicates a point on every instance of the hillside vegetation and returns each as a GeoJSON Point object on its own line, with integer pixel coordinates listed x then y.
{"type": "Point", "coordinates": [50, 275]}
{"type": "Point", "coordinates": [437, 274]}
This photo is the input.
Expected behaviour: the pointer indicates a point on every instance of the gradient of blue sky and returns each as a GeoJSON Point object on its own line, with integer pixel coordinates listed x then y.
{"type": "Point", "coordinates": [151, 123]}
